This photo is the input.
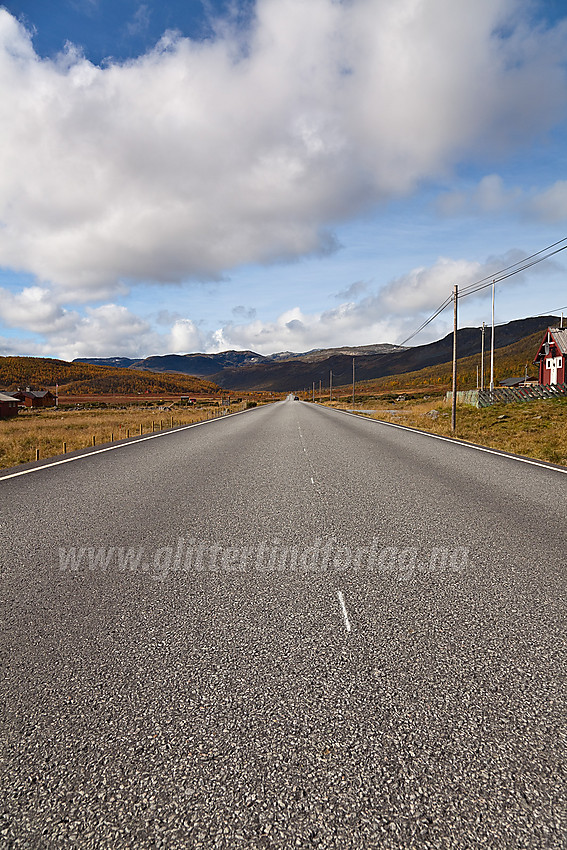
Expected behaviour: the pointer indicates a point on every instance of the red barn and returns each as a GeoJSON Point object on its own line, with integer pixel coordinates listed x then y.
{"type": "Point", "coordinates": [551, 356]}
{"type": "Point", "coordinates": [8, 406]}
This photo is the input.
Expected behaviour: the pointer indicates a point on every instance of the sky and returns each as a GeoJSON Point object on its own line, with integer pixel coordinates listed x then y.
{"type": "Point", "coordinates": [275, 175]}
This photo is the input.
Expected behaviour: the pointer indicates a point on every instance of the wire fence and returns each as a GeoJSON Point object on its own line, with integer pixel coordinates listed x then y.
{"type": "Point", "coordinates": [508, 395]}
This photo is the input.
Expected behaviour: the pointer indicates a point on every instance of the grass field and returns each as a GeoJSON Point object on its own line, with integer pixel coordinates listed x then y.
{"type": "Point", "coordinates": [536, 429]}
{"type": "Point", "coordinates": [48, 430]}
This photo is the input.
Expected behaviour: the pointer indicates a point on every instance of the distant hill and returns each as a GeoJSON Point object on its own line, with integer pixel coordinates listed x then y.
{"type": "Point", "coordinates": [84, 378]}
{"type": "Point", "coordinates": [511, 362]}
{"type": "Point", "coordinates": [317, 354]}
{"type": "Point", "coordinates": [203, 365]}
{"type": "Point", "coordinates": [299, 374]}
{"type": "Point", "coordinates": [199, 365]}
{"type": "Point", "coordinates": [122, 362]}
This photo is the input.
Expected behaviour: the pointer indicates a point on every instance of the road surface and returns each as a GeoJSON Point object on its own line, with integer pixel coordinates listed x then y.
{"type": "Point", "coordinates": [291, 627]}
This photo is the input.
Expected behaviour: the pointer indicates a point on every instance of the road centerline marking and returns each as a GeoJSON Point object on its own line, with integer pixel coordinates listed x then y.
{"type": "Point", "coordinates": [344, 610]}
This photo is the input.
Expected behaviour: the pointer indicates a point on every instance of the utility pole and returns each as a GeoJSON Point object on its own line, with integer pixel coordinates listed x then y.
{"type": "Point", "coordinates": [492, 343]}
{"type": "Point", "coordinates": [353, 384]}
{"type": "Point", "coordinates": [482, 359]}
{"type": "Point", "coordinates": [331, 385]}
{"type": "Point", "coordinates": [313, 399]}
{"type": "Point", "coordinates": [454, 399]}
{"type": "Point", "coordinates": [319, 390]}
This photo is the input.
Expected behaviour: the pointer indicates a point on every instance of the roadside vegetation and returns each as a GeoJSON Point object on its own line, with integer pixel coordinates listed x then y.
{"type": "Point", "coordinates": [53, 431]}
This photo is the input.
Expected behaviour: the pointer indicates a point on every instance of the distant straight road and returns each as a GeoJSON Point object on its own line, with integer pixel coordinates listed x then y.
{"type": "Point", "coordinates": [288, 628]}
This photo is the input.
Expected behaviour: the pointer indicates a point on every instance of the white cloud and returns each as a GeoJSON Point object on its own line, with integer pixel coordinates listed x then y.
{"type": "Point", "coordinates": [20, 347]}
{"type": "Point", "coordinates": [101, 332]}
{"type": "Point", "coordinates": [352, 291]}
{"type": "Point", "coordinates": [105, 331]}
{"type": "Point", "coordinates": [34, 309]}
{"type": "Point", "coordinates": [492, 196]}
{"type": "Point", "coordinates": [388, 315]}
{"type": "Point", "coordinates": [488, 197]}
{"type": "Point", "coordinates": [200, 157]}
{"type": "Point", "coordinates": [551, 205]}
{"type": "Point", "coordinates": [294, 330]}
{"type": "Point", "coordinates": [184, 337]}
{"type": "Point", "coordinates": [140, 21]}
{"type": "Point", "coordinates": [243, 312]}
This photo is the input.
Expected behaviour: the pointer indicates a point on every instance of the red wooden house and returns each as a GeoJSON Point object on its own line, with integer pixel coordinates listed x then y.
{"type": "Point", "coordinates": [551, 356]}
{"type": "Point", "coordinates": [8, 406]}
{"type": "Point", "coordinates": [35, 398]}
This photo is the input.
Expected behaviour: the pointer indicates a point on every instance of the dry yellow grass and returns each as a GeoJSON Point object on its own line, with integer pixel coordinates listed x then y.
{"type": "Point", "coordinates": [536, 429]}
{"type": "Point", "coordinates": [48, 430]}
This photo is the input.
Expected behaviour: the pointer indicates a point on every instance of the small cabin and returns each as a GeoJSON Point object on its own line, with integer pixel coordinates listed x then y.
{"type": "Point", "coordinates": [514, 383]}
{"type": "Point", "coordinates": [35, 398]}
{"type": "Point", "coordinates": [551, 355]}
{"type": "Point", "coordinates": [9, 406]}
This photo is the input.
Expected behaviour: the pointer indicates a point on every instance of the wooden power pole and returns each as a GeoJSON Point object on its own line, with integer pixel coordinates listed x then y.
{"type": "Point", "coordinates": [353, 384]}
{"type": "Point", "coordinates": [482, 360]}
{"type": "Point", "coordinates": [454, 399]}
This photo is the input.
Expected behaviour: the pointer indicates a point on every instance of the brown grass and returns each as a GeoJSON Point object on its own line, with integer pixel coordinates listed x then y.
{"type": "Point", "coordinates": [48, 430]}
{"type": "Point", "coordinates": [536, 429]}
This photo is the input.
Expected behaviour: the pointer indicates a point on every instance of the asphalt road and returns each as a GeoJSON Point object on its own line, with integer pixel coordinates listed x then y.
{"type": "Point", "coordinates": [288, 628]}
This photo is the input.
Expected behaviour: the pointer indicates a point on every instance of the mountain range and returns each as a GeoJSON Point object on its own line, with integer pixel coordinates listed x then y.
{"type": "Point", "coordinates": [203, 365]}
{"type": "Point", "coordinates": [288, 371]}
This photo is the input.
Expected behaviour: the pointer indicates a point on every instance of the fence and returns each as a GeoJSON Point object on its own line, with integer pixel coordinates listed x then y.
{"type": "Point", "coordinates": [507, 395]}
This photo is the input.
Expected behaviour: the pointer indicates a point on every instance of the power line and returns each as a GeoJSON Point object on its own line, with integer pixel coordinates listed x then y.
{"type": "Point", "coordinates": [439, 310]}
{"type": "Point", "coordinates": [500, 274]}
{"type": "Point", "coordinates": [503, 274]}
{"type": "Point", "coordinates": [551, 312]}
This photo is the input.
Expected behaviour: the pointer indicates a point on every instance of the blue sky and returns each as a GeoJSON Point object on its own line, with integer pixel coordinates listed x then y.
{"type": "Point", "coordinates": [274, 175]}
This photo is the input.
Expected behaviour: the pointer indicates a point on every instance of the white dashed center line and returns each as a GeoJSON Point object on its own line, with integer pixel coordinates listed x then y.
{"type": "Point", "coordinates": [344, 610]}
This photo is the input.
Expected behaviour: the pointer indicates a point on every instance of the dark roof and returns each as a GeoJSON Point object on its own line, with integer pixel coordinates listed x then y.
{"type": "Point", "coordinates": [34, 393]}
{"type": "Point", "coordinates": [514, 382]}
{"type": "Point", "coordinates": [560, 337]}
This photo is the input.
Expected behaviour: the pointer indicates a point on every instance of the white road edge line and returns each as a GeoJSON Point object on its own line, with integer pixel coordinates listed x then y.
{"type": "Point", "coordinates": [510, 456]}
{"type": "Point", "coordinates": [121, 445]}
{"type": "Point", "coordinates": [344, 610]}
